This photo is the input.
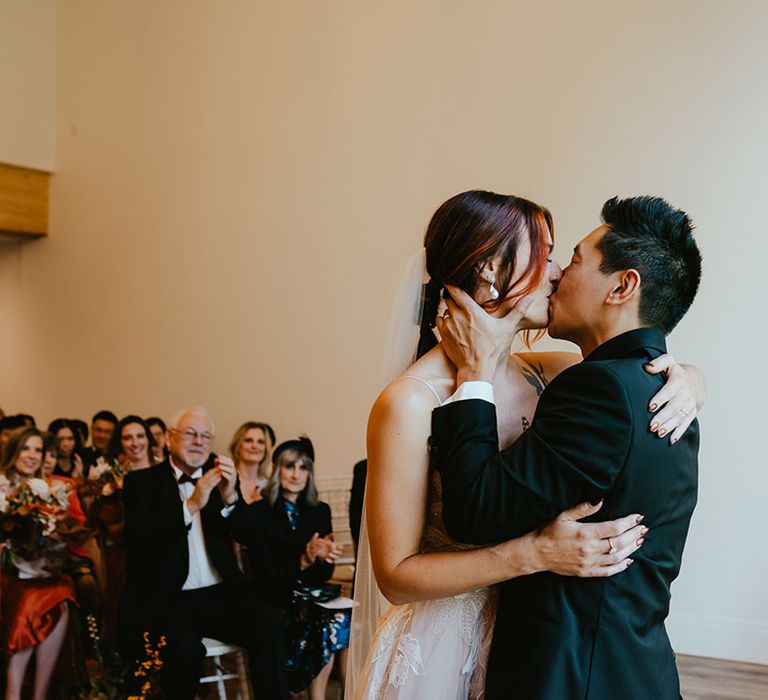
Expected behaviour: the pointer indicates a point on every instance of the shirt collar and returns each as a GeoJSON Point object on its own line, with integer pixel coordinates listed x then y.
{"type": "Point", "coordinates": [177, 473]}
{"type": "Point", "coordinates": [627, 343]}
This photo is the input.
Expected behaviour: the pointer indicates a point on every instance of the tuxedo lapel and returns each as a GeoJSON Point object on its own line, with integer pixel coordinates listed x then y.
{"type": "Point", "coordinates": [169, 488]}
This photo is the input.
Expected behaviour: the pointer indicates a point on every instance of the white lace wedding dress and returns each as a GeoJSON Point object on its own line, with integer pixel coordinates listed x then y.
{"type": "Point", "coordinates": [435, 649]}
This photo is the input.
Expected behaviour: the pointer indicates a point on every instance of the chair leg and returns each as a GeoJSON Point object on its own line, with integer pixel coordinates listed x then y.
{"type": "Point", "coordinates": [220, 683]}
{"type": "Point", "coordinates": [242, 675]}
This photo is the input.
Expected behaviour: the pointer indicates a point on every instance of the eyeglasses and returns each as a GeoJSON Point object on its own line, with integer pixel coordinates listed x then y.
{"type": "Point", "coordinates": [190, 435]}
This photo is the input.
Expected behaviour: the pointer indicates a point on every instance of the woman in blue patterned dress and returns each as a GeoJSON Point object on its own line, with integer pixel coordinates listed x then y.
{"type": "Point", "coordinates": [290, 553]}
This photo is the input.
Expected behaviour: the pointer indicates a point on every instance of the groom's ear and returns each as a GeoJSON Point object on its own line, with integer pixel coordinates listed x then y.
{"type": "Point", "coordinates": [626, 287]}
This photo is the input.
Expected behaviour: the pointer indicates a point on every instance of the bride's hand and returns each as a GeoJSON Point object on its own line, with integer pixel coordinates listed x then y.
{"type": "Point", "coordinates": [678, 402]}
{"type": "Point", "coordinates": [570, 548]}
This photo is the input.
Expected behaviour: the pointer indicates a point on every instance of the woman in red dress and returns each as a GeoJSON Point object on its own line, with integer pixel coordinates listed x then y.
{"type": "Point", "coordinates": [35, 610]}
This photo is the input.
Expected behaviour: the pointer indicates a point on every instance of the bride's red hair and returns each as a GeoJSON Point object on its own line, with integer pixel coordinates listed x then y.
{"type": "Point", "coordinates": [470, 229]}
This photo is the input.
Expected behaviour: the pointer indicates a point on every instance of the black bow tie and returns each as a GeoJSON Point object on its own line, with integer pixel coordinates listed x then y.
{"type": "Point", "coordinates": [185, 479]}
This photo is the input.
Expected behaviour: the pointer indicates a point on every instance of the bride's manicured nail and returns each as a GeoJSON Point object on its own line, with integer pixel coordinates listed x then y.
{"type": "Point", "coordinates": [630, 562]}
{"type": "Point", "coordinates": [662, 432]}
{"type": "Point", "coordinates": [644, 531]}
{"type": "Point", "coordinates": [673, 441]}
{"type": "Point", "coordinates": [654, 427]}
{"type": "Point", "coordinates": [640, 542]}
{"type": "Point", "coordinates": [640, 518]}
{"type": "Point", "coordinates": [652, 407]}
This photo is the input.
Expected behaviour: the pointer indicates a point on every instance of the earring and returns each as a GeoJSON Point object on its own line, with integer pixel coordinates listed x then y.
{"type": "Point", "coordinates": [491, 289]}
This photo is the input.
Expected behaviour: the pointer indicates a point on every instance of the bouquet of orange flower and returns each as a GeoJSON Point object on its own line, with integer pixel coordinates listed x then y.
{"type": "Point", "coordinates": [35, 525]}
{"type": "Point", "coordinates": [104, 479]}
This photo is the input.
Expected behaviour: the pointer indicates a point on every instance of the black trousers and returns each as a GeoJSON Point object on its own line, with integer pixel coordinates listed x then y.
{"type": "Point", "coordinates": [228, 614]}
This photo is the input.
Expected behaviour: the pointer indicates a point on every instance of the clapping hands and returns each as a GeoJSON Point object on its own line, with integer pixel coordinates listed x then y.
{"type": "Point", "coordinates": [323, 548]}
{"type": "Point", "coordinates": [226, 469]}
{"type": "Point", "coordinates": [223, 475]}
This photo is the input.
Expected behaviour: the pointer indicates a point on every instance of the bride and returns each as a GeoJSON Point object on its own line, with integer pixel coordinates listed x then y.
{"type": "Point", "coordinates": [433, 638]}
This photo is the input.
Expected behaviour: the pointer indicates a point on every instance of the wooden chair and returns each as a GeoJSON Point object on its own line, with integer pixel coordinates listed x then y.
{"type": "Point", "coordinates": [335, 491]}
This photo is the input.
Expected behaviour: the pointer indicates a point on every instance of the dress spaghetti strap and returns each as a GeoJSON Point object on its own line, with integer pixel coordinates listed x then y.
{"type": "Point", "coordinates": [425, 383]}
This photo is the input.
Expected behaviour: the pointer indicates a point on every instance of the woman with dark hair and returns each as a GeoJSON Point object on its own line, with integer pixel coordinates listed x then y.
{"type": "Point", "coordinates": [434, 638]}
{"type": "Point", "coordinates": [131, 448]}
{"type": "Point", "coordinates": [291, 553]}
{"type": "Point", "coordinates": [132, 444]}
{"type": "Point", "coordinates": [35, 610]}
{"type": "Point", "coordinates": [70, 447]}
{"type": "Point", "coordinates": [250, 449]}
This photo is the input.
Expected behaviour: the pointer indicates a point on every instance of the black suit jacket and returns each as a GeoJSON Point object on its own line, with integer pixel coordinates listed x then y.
{"type": "Point", "coordinates": [274, 549]}
{"type": "Point", "coordinates": [156, 537]}
{"type": "Point", "coordinates": [561, 637]}
{"type": "Point", "coordinates": [89, 455]}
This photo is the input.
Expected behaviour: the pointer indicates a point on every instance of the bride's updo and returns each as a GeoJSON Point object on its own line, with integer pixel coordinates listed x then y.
{"type": "Point", "coordinates": [469, 230]}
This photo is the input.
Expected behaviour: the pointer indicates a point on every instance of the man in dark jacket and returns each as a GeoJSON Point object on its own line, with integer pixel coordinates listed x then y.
{"type": "Point", "coordinates": [183, 580]}
{"type": "Point", "coordinates": [630, 281]}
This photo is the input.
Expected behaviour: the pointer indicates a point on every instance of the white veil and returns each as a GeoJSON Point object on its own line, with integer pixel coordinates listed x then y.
{"type": "Point", "coordinates": [400, 346]}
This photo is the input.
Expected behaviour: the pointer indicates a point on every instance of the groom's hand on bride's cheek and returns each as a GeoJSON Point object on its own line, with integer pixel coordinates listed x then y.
{"type": "Point", "coordinates": [462, 338]}
{"type": "Point", "coordinates": [475, 341]}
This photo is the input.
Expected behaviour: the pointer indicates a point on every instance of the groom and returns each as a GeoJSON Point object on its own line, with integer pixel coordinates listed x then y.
{"type": "Point", "coordinates": [629, 283]}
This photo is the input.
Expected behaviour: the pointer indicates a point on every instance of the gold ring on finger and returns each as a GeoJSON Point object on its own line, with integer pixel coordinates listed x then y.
{"type": "Point", "coordinates": [612, 549]}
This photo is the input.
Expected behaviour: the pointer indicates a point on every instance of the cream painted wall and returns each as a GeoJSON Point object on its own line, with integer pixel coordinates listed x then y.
{"type": "Point", "coordinates": [239, 184]}
{"type": "Point", "coordinates": [28, 83]}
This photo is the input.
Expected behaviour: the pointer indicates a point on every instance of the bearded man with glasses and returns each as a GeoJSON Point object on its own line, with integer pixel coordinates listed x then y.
{"type": "Point", "coordinates": [183, 581]}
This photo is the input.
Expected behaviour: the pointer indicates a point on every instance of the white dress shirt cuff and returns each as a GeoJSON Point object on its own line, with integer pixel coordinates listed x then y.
{"type": "Point", "coordinates": [472, 390]}
{"type": "Point", "coordinates": [187, 514]}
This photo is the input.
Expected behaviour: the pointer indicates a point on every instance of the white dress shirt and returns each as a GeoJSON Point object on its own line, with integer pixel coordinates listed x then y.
{"type": "Point", "coordinates": [201, 570]}
{"type": "Point", "coordinates": [472, 390]}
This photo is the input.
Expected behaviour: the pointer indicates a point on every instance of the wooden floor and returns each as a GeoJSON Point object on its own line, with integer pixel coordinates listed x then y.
{"type": "Point", "coordinates": [713, 679]}
{"type": "Point", "coordinates": [700, 679]}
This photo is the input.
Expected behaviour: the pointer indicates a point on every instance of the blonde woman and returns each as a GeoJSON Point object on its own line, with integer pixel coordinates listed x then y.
{"type": "Point", "coordinates": [251, 449]}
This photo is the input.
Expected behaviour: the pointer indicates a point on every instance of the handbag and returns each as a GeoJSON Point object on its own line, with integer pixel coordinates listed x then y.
{"type": "Point", "coordinates": [321, 593]}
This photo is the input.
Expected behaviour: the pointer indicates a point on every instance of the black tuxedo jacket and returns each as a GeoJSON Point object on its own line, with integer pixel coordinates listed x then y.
{"type": "Point", "coordinates": [89, 455]}
{"type": "Point", "coordinates": [156, 536]}
{"type": "Point", "coordinates": [274, 549]}
{"type": "Point", "coordinates": [559, 637]}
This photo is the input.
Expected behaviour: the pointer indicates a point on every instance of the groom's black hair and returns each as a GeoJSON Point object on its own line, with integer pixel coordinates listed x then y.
{"type": "Point", "coordinates": [649, 235]}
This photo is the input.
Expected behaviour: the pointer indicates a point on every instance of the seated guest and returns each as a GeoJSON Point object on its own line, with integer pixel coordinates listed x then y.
{"type": "Point", "coordinates": [290, 547]}
{"type": "Point", "coordinates": [182, 579]}
{"type": "Point", "coordinates": [157, 428]}
{"type": "Point", "coordinates": [103, 424]}
{"type": "Point", "coordinates": [69, 446]}
{"type": "Point", "coordinates": [251, 448]}
{"type": "Point", "coordinates": [80, 566]}
{"type": "Point", "coordinates": [35, 611]}
{"type": "Point", "coordinates": [131, 447]}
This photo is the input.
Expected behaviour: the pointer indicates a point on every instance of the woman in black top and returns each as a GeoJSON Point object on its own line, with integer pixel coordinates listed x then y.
{"type": "Point", "coordinates": [290, 555]}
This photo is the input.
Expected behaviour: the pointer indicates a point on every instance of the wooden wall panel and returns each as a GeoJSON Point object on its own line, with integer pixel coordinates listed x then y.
{"type": "Point", "coordinates": [23, 201]}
